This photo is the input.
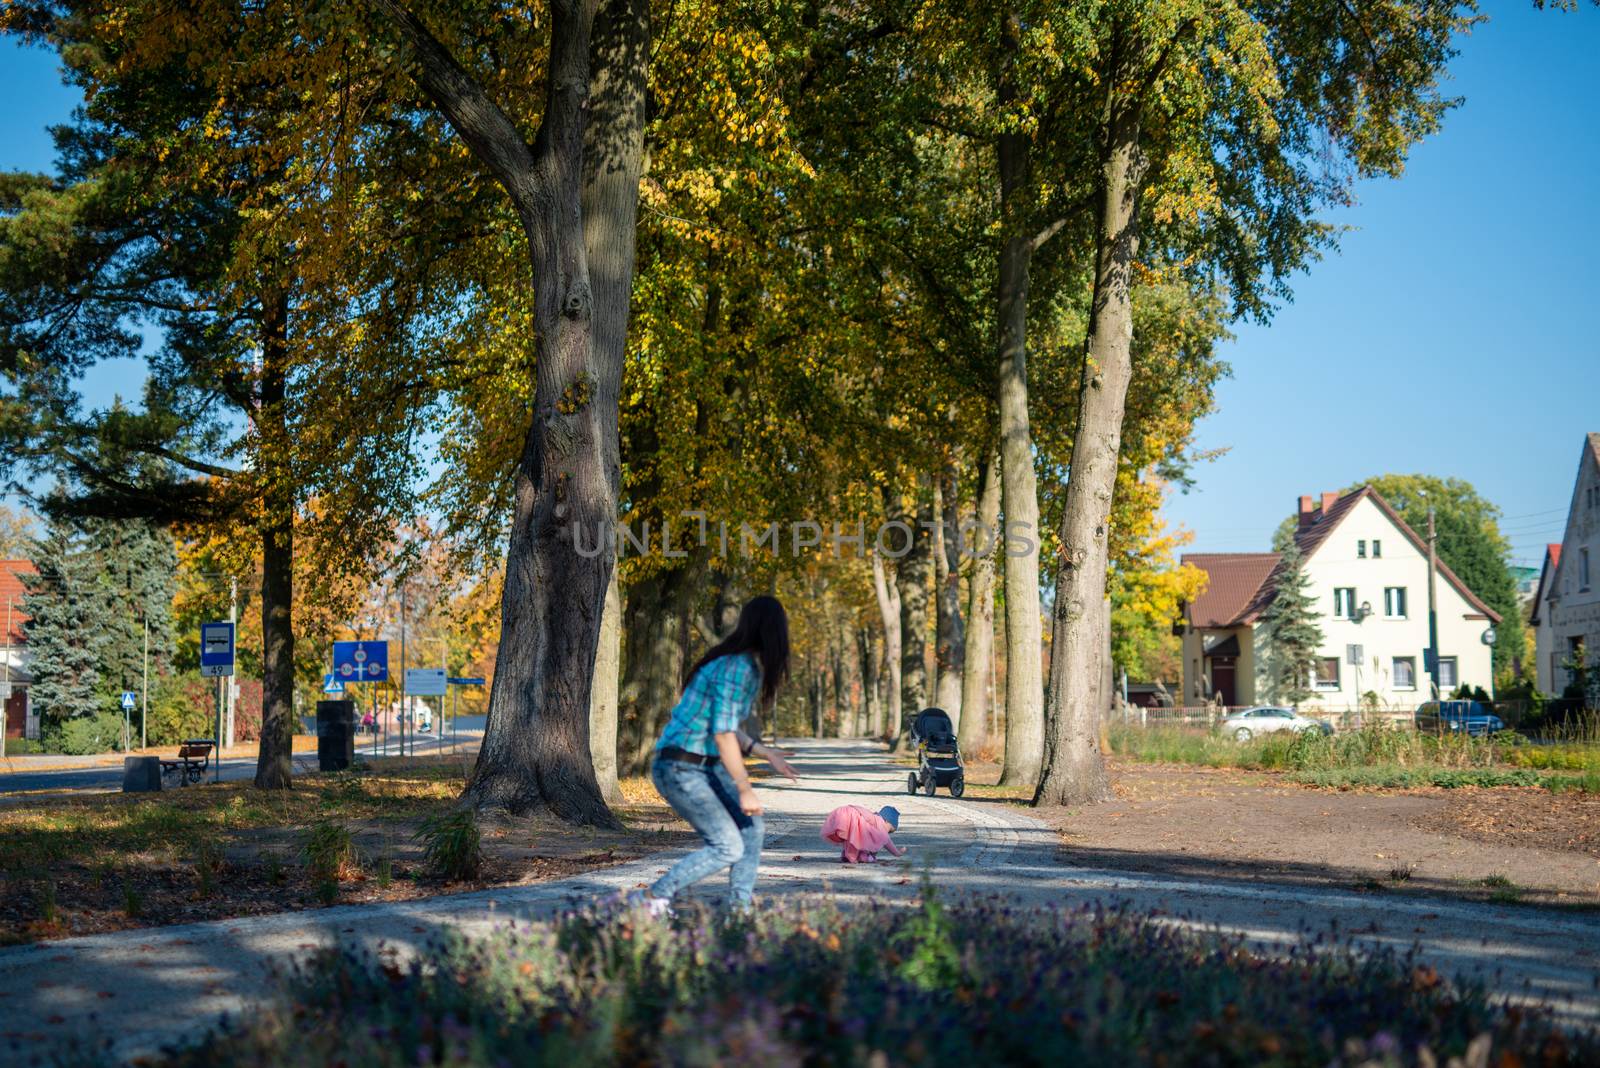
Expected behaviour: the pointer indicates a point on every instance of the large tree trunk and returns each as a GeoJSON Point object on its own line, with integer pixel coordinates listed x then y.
{"type": "Point", "coordinates": [613, 146]}
{"type": "Point", "coordinates": [1024, 755]}
{"type": "Point", "coordinates": [275, 759]}
{"type": "Point", "coordinates": [1075, 771]}
{"type": "Point", "coordinates": [950, 644]}
{"type": "Point", "coordinates": [603, 695]}
{"type": "Point", "coordinates": [889, 610]}
{"type": "Point", "coordinates": [973, 730]}
{"type": "Point", "coordinates": [913, 577]}
{"type": "Point", "coordinates": [535, 750]}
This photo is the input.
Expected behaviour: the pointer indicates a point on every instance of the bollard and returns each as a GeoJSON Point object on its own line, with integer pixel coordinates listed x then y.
{"type": "Point", "coordinates": [141, 775]}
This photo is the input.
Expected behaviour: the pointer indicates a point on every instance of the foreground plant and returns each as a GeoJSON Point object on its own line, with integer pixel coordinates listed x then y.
{"type": "Point", "coordinates": [808, 984]}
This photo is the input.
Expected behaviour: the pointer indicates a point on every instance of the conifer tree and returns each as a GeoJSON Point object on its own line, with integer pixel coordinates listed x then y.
{"type": "Point", "coordinates": [135, 563]}
{"type": "Point", "coordinates": [1290, 636]}
{"type": "Point", "coordinates": [65, 642]}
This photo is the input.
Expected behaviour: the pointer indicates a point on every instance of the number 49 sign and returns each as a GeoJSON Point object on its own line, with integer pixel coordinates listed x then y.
{"type": "Point", "coordinates": [216, 649]}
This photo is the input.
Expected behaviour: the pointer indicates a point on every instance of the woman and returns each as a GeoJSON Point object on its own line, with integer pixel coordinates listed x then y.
{"type": "Point", "coordinates": [699, 761]}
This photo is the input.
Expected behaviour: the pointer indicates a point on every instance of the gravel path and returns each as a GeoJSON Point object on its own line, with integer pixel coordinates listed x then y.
{"type": "Point", "coordinates": [156, 986]}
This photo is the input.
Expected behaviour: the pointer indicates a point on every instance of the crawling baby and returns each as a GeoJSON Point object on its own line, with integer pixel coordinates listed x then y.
{"type": "Point", "coordinates": [862, 833]}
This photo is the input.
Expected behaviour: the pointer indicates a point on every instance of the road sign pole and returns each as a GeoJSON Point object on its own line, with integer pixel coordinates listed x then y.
{"type": "Point", "coordinates": [144, 712]}
{"type": "Point", "coordinates": [217, 776]}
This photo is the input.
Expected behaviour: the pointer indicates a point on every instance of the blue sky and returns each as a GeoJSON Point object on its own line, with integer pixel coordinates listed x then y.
{"type": "Point", "coordinates": [1454, 333]}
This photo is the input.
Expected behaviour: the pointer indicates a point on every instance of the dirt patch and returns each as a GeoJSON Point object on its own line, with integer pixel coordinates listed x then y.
{"type": "Point", "coordinates": [254, 870]}
{"type": "Point", "coordinates": [1492, 844]}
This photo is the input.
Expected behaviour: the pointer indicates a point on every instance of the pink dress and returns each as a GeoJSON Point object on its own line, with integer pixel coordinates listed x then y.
{"type": "Point", "coordinates": [862, 833]}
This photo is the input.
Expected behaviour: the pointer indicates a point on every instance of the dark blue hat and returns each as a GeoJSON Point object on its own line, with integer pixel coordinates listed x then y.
{"type": "Point", "coordinates": [892, 815]}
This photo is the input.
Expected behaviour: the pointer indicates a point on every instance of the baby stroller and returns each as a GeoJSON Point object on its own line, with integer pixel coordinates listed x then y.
{"type": "Point", "coordinates": [938, 755]}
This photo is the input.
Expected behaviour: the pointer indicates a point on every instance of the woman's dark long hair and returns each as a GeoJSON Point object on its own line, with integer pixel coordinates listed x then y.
{"type": "Point", "coordinates": [763, 629]}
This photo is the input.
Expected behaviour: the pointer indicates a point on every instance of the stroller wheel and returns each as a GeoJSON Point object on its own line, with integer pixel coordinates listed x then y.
{"type": "Point", "coordinates": [911, 783]}
{"type": "Point", "coordinates": [958, 786]}
{"type": "Point", "coordinates": [931, 787]}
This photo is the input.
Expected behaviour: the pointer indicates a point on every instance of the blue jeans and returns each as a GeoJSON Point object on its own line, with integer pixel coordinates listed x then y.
{"type": "Point", "coordinates": [733, 839]}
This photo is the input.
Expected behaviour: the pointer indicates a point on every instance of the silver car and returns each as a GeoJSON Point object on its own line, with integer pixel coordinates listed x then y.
{"type": "Point", "coordinates": [1264, 719]}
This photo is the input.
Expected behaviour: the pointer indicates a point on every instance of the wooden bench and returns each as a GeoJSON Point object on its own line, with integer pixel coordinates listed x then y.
{"type": "Point", "coordinates": [194, 756]}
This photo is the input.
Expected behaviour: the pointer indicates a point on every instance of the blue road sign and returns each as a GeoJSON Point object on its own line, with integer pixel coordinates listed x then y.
{"type": "Point", "coordinates": [361, 661]}
{"type": "Point", "coordinates": [331, 683]}
{"type": "Point", "coordinates": [216, 649]}
{"type": "Point", "coordinates": [129, 700]}
{"type": "Point", "coordinates": [467, 680]}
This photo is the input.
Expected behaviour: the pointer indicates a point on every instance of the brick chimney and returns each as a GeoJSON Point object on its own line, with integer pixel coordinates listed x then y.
{"type": "Point", "coordinates": [1327, 502]}
{"type": "Point", "coordinates": [1308, 513]}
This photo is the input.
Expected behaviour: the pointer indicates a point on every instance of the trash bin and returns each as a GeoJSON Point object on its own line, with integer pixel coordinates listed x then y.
{"type": "Point", "coordinates": [336, 734]}
{"type": "Point", "coordinates": [141, 774]}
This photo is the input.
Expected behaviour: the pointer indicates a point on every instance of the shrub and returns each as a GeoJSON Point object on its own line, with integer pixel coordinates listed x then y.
{"type": "Point", "coordinates": [181, 706]}
{"type": "Point", "coordinates": [330, 853]}
{"type": "Point", "coordinates": [807, 984]}
{"type": "Point", "coordinates": [81, 735]}
{"type": "Point", "coordinates": [452, 845]}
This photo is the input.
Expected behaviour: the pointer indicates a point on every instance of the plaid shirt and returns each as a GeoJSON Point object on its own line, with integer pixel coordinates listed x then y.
{"type": "Point", "coordinates": [716, 701]}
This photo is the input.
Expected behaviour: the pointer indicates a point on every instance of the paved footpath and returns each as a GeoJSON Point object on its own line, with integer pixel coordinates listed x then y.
{"type": "Point", "coordinates": [157, 986]}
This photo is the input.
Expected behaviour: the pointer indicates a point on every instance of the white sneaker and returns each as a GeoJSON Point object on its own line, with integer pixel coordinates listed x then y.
{"type": "Point", "coordinates": [656, 907]}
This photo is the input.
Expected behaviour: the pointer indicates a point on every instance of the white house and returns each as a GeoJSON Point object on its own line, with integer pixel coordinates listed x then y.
{"type": "Point", "coordinates": [1566, 609]}
{"type": "Point", "coordinates": [1368, 577]}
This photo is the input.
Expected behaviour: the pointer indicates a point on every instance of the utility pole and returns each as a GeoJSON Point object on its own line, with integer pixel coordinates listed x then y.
{"type": "Point", "coordinates": [404, 708]}
{"type": "Point", "coordinates": [233, 686]}
{"type": "Point", "coordinates": [6, 699]}
{"type": "Point", "coordinates": [1433, 609]}
{"type": "Point", "coordinates": [144, 715]}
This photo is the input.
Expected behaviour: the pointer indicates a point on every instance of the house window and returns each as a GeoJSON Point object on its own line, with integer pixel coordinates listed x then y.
{"type": "Point", "coordinates": [1327, 673]}
{"type": "Point", "coordinates": [1361, 550]}
{"type": "Point", "coordinates": [1377, 548]}
{"type": "Point", "coordinates": [1448, 676]}
{"type": "Point", "coordinates": [1394, 602]}
{"type": "Point", "coordinates": [1405, 673]}
{"type": "Point", "coordinates": [1344, 602]}
{"type": "Point", "coordinates": [1583, 569]}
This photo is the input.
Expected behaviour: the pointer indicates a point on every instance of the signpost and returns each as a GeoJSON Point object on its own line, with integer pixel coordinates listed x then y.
{"type": "Point", "coordinates": [424, 682]}
{"type": "Point", "coordinates": [216, 662]}
{"type": "Point", "coordinates": [459, 681]}
{"type": "Point", "coordinates": [129, 701]}
{"type": "Point", "coordinates": [331, 683]}
{"type": "Point", "coordinates": [361, 661]}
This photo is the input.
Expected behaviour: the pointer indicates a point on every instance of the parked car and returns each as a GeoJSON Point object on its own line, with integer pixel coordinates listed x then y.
{"type": "Point", "coordinates": [1264, 719]}
{"type": "Point", "coordinates": [1449, 717]}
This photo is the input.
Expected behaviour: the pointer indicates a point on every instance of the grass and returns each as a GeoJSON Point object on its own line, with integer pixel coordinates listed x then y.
{"type": "Point", "coordinates": [171, 825]}
{"type": "Point", "coordinates": [808, 984]}
{"type": "Point", "coordinates": [1377, 756]}
{"type": "Point", "coordinates": [452, 845]}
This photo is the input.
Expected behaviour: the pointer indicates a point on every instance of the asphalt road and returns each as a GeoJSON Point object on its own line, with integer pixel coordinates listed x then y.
{"type": "Point", "coordinates": [108, 777]}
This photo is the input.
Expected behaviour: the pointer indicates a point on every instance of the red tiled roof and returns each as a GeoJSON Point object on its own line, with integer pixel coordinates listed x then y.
{"type": "Point", "coordinates": [1554, 549]}
{"type": "Point", "coordinates": [12, 592]}
{"type": "Point", "coordinates": [1313, 532]}
{"type": "Point", "coordinates": [1233, 580]}
{"type": "Point", "coordinates": [1547, 571]}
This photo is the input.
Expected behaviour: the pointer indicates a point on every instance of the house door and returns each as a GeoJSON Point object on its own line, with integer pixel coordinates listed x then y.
{"type": "Point", "coordinates": [1222, 669]}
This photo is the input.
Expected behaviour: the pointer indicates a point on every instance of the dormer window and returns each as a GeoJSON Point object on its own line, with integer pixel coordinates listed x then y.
{"type": "Point", "coordinates": [1361, 550]}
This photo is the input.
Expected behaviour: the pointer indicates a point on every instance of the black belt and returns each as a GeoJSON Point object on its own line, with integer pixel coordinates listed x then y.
{"type": "Point", "coordinates": [672, 752]}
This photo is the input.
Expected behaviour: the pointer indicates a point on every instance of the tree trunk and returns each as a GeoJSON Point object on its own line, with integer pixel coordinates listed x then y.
{"type": "Point", "coordinates": [535, 750]}
{"type": "Point", "coordinates": [867, 646]}
{"type": "Point", "coordinates": [913, 577]}
{"type": "Point", "coordinates": [889, 609]}
{"type": "Point", "coordinates": [653, 664]}
{"type": "Point", "coordinates": [1024, 755]}
{"type": "Point", "coordinates": [275, 758]}
{"type": "Point", "coordinates": [973, 730]}
{"type": "Point", "coordinates": [950, 648]}
{"type": "Point", "coordinates": [603, 696]}
{"type": "Point", "coordinates": [1075, 771]}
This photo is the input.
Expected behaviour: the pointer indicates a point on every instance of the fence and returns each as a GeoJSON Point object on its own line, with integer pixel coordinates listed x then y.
{"type": "Point", "coordinates": [1515, 714]}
